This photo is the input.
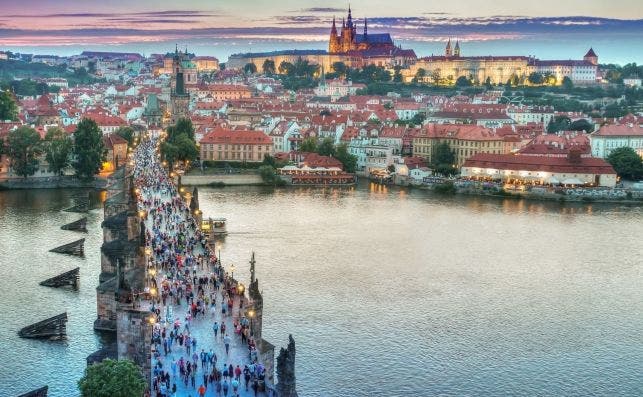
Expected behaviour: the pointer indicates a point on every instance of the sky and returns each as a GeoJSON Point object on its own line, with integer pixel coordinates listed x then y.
{"type": "Point", "coordinates": [64, 26]}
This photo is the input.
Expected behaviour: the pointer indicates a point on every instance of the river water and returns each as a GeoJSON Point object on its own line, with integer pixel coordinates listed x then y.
{"type": "Point", "coordinates": [387, 292]}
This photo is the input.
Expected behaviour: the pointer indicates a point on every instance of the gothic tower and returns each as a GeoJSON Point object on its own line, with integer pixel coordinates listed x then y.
{"type": "Point", "coordinates": [591, 57]}
{"type": "Point", "coordinates": [365, 29]}
{"type": "Point", "coordinates": [456, 50]}
{"type": "Point", "coordinates": [447, 51]}
{"type": "Point", "coordinates": [333, 43]}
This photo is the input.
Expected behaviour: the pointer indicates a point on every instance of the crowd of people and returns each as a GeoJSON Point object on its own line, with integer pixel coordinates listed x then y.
{"type": "Point", "coordinates": [202, 343]}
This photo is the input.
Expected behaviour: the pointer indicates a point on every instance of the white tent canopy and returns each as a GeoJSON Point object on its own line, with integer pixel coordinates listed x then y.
{"type": "Point", "coordinates": [552, 180]}
{"type": "Point", "coordinates": [573, 181]}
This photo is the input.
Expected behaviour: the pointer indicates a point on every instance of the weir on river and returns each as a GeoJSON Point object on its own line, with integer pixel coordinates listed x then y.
{"type": "Point", "coordinates": [159, 278]}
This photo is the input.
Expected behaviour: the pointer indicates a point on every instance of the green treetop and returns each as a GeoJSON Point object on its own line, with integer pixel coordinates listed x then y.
{"type": "Point", "coordinates": [111, 378]}
{"type": "Point", "coordinates": [89, 150]}
{"type": "Point", "coordinates": [8, 108]}
{"type": "Point", "coordinates": [58, 146]}
{"type": "Point", "coordinates": [23, 148]}
{"type": "Point", "coordinates": [627, 163]}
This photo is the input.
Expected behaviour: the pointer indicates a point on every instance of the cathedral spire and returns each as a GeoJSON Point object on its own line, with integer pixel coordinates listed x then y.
{"type": "Point", "coordinates": [447, 51]}
{"type": "Point", "coordinates": [350, 17]}
{"type": "Point", "coordinates": [333, 30]}
{"type": "Point", "coordinates": [365, 27]}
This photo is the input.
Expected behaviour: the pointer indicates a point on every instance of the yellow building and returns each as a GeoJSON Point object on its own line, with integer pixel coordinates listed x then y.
{"type": "Point", "coordinates": [235, 145]}
{"type": "Point", "coordinates": [464, 141]}
{"type": "Point", "coordinates": [447, 69]}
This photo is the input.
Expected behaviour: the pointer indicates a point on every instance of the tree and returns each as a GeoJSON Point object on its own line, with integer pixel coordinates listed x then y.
{"type": "Point", "coordinates": [268, 174]}
{"type": "Point", "coordinates": [8, 108]}
{"type": "Point", "coordinates": [340, 68]}
{"type": "Point", "coordinates": [536, 78]}
{"type": "Point", "coordinates": [550, 79]}
{"type": "Point", "coordinates": [126, 133]}
{"type": "Point", "coordinates": [462, 82]}
{"type": "Point", "coordinates": [348, 160]}
{"type": "Point", "coordinates": [58, 146]}
{"type": "Point", "coordinates": [309, 145]}
{"type": "Point", "coordinates": [397, 76]}
{"type": "Point", "coordinates": [180, 144]}
{"type": "Point", "coordinates": [558, 123]}
{"type": "Point", "coordinates": [626, 162]}
{"type": "Point", "coordinates": [250, 68]}
{"type": "Point", "coordinates": [568, 85]}
{"type": "Point", "coordinates": [286, 68]}
{"type": "Point", "coordinates": [443, 159]}
{"type": "Point", "coordinates": [187, 150]}
{"type": "Point", "coordinates": [326, 147]}
{"type": "Point", "coordinates": [111, 378]}
{"type": "Point", "coordinates": [513, 81]}
{"type": "Point", "coordinates": [268, 67]}
{"type": "Point", "coordinates": [436, 78]}
{"type": "Point", "coordinates": [487, 83]}
{"type": "Point", "coordinates": [89, 150]}
{"type": "Point", "coordinates": [420, 75]}
{"type": "Point", "coordinates": [23, 148]}
{"type": "Point", "coordinates": [581, 125]}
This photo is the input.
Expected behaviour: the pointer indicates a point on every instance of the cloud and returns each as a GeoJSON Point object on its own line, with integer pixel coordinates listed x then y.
{"type": "Point", "coordinates": [311, 28]}
{"type": "Point", "coordinates": [167, 13]}
{"type": "Point", "coordinates": [307, 19]}
{"type": "Point", "coordinates": [322, 10]}
{"type": "Point", "coordinates": [135, 20]}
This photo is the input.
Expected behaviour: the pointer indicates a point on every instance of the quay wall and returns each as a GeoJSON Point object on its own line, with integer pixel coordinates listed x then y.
{"type": "Point", "coordinates": [55, 182]}
{"type": "Point", "coordinates": [225, 179]}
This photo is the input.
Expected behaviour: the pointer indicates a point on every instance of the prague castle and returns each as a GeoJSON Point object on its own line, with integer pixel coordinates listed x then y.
{"type": "Point", "coordinates": [349, 40]}
{"type": "Point", "coordinates": [446, 69]}
{"type": "Point", "coordinates": [357, 50]}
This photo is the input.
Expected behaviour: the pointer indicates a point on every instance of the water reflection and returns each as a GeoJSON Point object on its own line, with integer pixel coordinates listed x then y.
{"type": "Point", "coordinates": [422, 292]}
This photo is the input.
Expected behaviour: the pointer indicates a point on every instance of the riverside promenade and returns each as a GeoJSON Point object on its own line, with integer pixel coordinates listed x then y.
{"type": "Point", "coordinates": [203, 341]}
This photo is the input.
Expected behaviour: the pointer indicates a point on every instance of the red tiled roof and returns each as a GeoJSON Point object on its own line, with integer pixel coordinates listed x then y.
{"type": "Point", "coordinates": [113, 139]}
{"type": "Point", "coordinates": [240, 137]}
{"type": "Point", "coordinates": [314, 160]}
{"type": "Point", "coordinates": [585, 165]}
{"type": "Point", "coordinates": [620, 130]}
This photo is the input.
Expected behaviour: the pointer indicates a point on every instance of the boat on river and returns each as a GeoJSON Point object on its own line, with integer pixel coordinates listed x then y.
{"type": "Point", "coordinates": [214, 227]}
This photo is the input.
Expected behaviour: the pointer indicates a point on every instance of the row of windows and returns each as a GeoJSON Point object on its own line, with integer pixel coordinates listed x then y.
{"type": "Point", "coordinates": [236, 147]}
{"type": "Point", "coordinates": [234, 156]}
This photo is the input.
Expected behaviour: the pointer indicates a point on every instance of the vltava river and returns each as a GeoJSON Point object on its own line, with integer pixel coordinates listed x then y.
{"type": "Point", "coordinates": [386, 292]}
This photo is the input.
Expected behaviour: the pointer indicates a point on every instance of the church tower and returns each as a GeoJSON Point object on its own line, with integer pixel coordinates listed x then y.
{"type": "Point", "coordinates": [591, 57]}
{"type": "Point", "coordinates": [456, 50]}
{"type": "Point", "coordinates": [179, 97]}
{"type": "Point", "coordinates": [447, 51]}
{"type": "Point", "coordinates": [333, 43]}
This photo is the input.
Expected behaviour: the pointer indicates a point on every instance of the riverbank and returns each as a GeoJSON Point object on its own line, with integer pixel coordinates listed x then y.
{"type": "Point", "coordinates": [55, 182]}
{"type": "Point", "coordinates": [219, 180]}
{"type": "Point", "coordinates": [534, 193]}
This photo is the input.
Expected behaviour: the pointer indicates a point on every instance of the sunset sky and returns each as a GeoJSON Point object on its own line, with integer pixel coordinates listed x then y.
{"type": "Point", "coordinates": [62, 24]}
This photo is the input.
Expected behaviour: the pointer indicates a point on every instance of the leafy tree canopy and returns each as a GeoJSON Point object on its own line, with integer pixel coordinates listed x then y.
{"type": "Point", "coordinates": [627, 163]}
{"type": "Point", "coordinates": [111, 378]}
{"type": "Point", "coordinates": [89, 149]}
{"type": "Point", "coordinates": [58, 146]}
{"type": "Point", "coordinates": [23, 148]}
{"type": "Point", "coordinates": [8, 107]}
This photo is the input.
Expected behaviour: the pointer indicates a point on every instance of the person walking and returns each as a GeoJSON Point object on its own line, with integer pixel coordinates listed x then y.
{"type": "Point", "coordinates": [246, 375]}
{"type": "Point", "coordinates": [226, 342]}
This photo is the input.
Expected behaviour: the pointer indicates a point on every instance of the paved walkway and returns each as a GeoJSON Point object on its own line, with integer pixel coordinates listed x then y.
{"type": "Point", "coordinates": [181, 269]}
